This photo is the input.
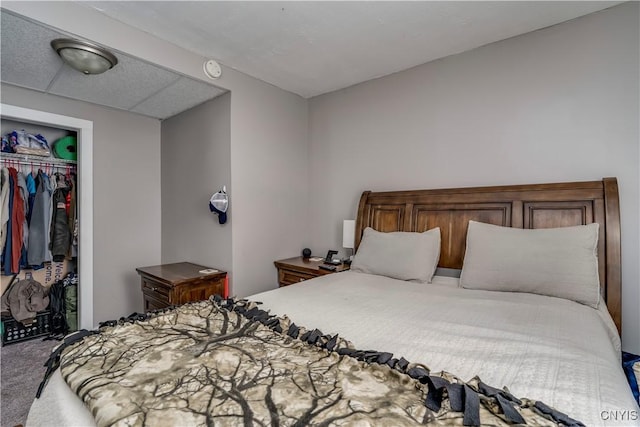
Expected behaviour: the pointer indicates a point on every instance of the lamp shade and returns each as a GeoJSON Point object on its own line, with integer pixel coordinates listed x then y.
{"type": "Point", "coordinates": [348, 233]}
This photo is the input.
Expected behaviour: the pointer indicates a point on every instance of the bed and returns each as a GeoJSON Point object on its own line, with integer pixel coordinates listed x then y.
{"type": "Point", "coordinates": [563, 353]}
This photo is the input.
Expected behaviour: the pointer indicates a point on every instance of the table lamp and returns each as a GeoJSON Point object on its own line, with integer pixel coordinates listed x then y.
{"type": "Point", "coordinates": [348, 237]}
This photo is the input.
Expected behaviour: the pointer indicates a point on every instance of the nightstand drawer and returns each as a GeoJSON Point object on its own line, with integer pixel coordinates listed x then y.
{"type": "Point", "coordinates": [156, 290]}
{"type": "Point", "coordinates": [296, 270]}
{"type": "Point", "coordinates": [288, 277]}
{"type": "Point", "coordinates": [151, 304]}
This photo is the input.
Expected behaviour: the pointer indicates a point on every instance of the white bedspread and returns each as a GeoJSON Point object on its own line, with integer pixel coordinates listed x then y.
{"type": "Point", "coordinates": [557, 351]}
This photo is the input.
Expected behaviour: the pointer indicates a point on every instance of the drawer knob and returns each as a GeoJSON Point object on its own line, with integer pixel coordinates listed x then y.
{"type": "Point", "coordinates": [301, 280]}
{"type": "Point", "coordinates": [154, 289]}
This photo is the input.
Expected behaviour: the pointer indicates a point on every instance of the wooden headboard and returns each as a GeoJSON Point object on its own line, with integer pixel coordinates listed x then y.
{"type": "Point", "coordinates": [521, 206]}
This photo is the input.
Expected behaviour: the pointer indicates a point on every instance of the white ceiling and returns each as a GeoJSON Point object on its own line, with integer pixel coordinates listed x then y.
{"type": "Point", "coordinates": [308, 48]}
{"type": "Point", "coordinates": [133, 85]}
{"type": "Point", "coordinates": [311, 48]}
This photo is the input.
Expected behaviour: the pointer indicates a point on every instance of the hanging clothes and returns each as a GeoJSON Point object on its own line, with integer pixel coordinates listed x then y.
{"type": "Point", "coordinates": [24, 194]}
{"type": "Point", "coordinates": [31, 224]}
{"type": "Point", "coordinates": [73, 216]}
{"type": "Point", "coordinates": [40, 222]}
{"type": "Point", "coordinates": [17, 223]}
{"type": "Point", "coordinates": [31, 187]}
{"type": "Point", "coordinates": [4, 205]}
{"type": "Point", "coordinates": [15, 226]}
{"type": "Point", "coordinates": [49, 186]}
{"type": "Point", "coordinates": [60, 233]}
{"type": "Point", "coordinates": [6, 253]}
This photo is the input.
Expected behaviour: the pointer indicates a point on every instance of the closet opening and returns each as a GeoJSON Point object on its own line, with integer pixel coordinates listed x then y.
{"type": "Point", "coordinates": [47, 236]}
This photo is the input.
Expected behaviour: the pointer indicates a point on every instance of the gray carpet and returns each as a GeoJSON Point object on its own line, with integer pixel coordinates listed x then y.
{"type": "Point", "coordinates": [22, 369]}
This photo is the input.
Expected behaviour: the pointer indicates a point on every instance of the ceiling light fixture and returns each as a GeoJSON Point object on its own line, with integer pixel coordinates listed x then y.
{"type": "Point", "coordinates": [85, 57]}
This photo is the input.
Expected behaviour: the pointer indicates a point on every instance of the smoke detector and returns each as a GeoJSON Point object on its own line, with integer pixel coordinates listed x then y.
{"type": "Point", "coordinates": [212, 69]}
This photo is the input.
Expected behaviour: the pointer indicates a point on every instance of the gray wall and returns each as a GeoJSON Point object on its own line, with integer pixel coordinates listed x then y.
{"type": "Point", "coordinates": [126, 179]}
{"type": "Point", "coordinates": [269, 172]}
{"type": "Point", "coordinates": [196, 162]}
{"type": "Point", "coordinates": [269, 154]}
{"type": "Point", "coordinates": [559, 104]}
{"type": "Point", "coordinates": [254, 141]}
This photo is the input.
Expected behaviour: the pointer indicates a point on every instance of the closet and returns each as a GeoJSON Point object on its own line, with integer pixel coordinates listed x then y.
{"type": "Point", "coordinates": [57, 228]}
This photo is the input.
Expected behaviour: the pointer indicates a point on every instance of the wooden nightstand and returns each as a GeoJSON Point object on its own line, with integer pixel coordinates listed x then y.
{"type": "Point", "coordinates": [298, 269]}
{"type": "Point", "coordinates": [179, 283]}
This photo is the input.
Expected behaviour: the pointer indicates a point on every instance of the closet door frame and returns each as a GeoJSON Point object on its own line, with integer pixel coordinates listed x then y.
{"type": "Point", "coordinates": [84, 129]}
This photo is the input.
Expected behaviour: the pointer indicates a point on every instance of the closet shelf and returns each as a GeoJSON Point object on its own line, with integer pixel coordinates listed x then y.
{"type": "Point", "coordinates": [26, 159]}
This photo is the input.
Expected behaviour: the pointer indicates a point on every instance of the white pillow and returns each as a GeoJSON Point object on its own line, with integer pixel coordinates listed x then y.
{"type": "Point", "coordinates": [400, 255]}
{"type": "Point", "coordinates": [559, 262]}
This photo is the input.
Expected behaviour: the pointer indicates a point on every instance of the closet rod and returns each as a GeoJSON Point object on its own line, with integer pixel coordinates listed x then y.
{"type": "Point", "coordinates": [24, 159]}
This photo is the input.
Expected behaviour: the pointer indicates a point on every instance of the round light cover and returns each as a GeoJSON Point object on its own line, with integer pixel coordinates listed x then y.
{"type": "Point", "coordinates": [84, 57]}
